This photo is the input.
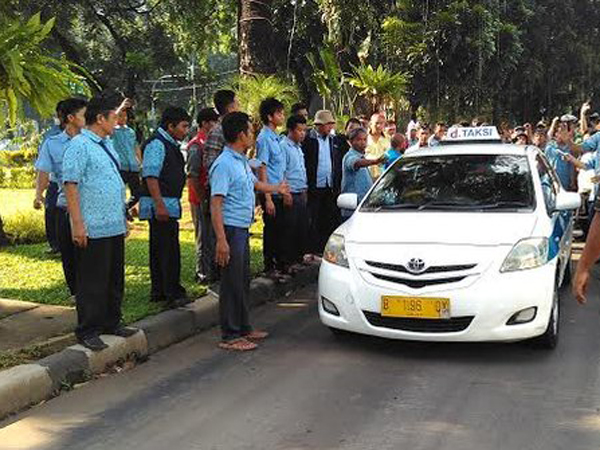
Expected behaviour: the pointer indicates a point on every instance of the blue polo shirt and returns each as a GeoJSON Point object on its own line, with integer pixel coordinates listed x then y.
{"type": "Point", "coordinates": [324, 168]}
{"type": "Point", "coordinates": [270, 153]}
{"type": "Point", "coordinates": [54, 130]}
{"type": "Point", "coordinates": [152, 163]}
{"type": "Point", "coordinates": [295, 169]}
{"type": "Point", "coordinates": [125, 142]}
{"type": "Point", "coordinates": [101, 189]}
{"type": "Point", "coordinates": [564, 169]}
{"type": "Point", "coordinates": [391, 156]}
{"type": "Point", "coordinates": [230, 176]}
{"type": "Point", "coordinates": [592, 143]}
{"type": "Point", "coordinates": [356, 181]}
{"type": "Point", "coordinates": [50, 160]}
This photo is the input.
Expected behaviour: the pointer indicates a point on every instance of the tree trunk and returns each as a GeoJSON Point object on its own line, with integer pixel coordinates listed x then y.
{"type": "Point", "coordinates": [3, 236]}
{"type": "Point", "coordinates": [255, 31]}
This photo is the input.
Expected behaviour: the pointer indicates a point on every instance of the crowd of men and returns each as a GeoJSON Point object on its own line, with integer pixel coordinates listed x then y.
{"type": "Point", "coordinates": [88, 159]}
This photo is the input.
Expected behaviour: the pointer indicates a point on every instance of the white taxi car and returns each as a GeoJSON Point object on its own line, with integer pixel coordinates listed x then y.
{"type": "Point", "coordinates": [467, 241]}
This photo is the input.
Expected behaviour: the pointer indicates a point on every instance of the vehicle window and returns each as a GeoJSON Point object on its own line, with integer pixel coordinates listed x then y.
{"type": "Point", "coordinates": [549, 183]}
{"type": "Point", "coordinates": [455, 183]}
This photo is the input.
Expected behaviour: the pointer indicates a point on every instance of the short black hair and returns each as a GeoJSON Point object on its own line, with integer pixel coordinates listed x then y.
{"type": "Point", "coordinates": [206, 115]}
{"type": "Point", "coordinates": [72, 106]}
{"type": "Point", "coordinates": [222, 99]}
{"type": "Point", "coordinates": [294, 121]}
{"type": "Point", "coordinates": [268, 107]}
{"type": "Point", "coordinates": [173, 115]}
{"type": "Point", "coordinates": [297, 107]}
{"type": "Point", "coordinates": [233, 124]}
{"type": "Point", "coordinates": [353, 120]}
{"type": "Point", "coordinates": [99, 106]}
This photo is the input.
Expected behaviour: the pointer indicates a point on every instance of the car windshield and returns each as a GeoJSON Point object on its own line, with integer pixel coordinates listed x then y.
{"type": "Point", "coordinates": [455, 183]}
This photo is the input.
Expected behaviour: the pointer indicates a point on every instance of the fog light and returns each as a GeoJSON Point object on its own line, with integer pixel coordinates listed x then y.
{"type": "Point", "coordinates": [329, 307]}
{"type": "Point", "coordinates": [523, 316]}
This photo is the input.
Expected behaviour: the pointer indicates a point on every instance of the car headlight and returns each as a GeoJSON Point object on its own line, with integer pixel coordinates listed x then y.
{"type": "Point", "coordinates": [335, 251]}
{"type": "Point", "coordinates": [526, 254]}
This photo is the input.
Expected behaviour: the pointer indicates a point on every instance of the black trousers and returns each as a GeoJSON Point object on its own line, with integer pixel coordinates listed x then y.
{"type": "Point", "coordinates": [132, 179]}
{"type": "Point", "coordinates": [296, 229]}
{"type": "Point", "coordinates": [208, 239]}
{"type": "Point", "coordinates": [324, 217]}
{"type": "Point", "coordinates": [273, 235]}
{"type": "Point", "coordinates": [165, 260]}
{"type": "Point", "coordinates": [67, 248]}
{"type": "Point", "coordinates": [50, 215]}
{"type": "Point", "coordinates": [235, 285]}
{"type": "Point", "coordinates": [100, 269]}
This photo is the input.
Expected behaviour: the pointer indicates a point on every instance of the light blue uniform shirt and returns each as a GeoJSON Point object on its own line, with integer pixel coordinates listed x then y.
{"type": "Point", "coordinates": [356, 181]}
{"type": "Point", "coordinates": [50, 160]}
{"type": "Point", "coordinates": [101, 189]}
{"type": "Point", "coordinates": [270, 153]}
{"type": "Point", "coordinates": [54, 130]}
{"type": "Point", "coordinates": [564, 169]}
{"type": "Point", "coordinates": [324, 168]}
{"type": "Point", "coordinates": [152, 163]}
{"type": "Point", "coordinates": [592, 143]}
{"type": "Point", "coordinates": [125, 141]}
{"type": "Point", "coordinates": [230, 176]}
{"type": "Point", "coordinates": [295, 169]}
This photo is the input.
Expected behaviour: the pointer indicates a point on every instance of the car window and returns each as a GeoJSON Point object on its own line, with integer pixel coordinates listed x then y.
{"type": "Point", "coordinates": [548, 181]}
{"type": "Point", "coordinates": [455, 183]}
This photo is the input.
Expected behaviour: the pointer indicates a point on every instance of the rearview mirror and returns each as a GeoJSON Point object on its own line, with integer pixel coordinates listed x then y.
{"type": "Point", "coordinates": [347, 201]}
{"type": "Point", "coordinates": [567, 200]}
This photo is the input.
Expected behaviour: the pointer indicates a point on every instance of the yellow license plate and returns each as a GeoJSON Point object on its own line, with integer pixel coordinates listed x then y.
{"type": "Point", "coordinates": [415, 307]}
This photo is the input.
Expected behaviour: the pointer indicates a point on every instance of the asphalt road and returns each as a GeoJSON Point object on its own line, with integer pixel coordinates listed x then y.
{"type": "Point", "coordinates": [306, 389]}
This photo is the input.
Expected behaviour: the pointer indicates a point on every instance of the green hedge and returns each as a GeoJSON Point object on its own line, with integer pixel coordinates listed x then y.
{"type": "Point", "coordinates": [26, 156]}
{"type": "Point", "coordinates": [25, 228]}
{"type": "Point", "coordinates": [17, 177]}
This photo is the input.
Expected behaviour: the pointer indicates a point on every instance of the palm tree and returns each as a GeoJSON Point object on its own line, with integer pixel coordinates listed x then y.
{"type": "Point", "coordinates": [379, 86]}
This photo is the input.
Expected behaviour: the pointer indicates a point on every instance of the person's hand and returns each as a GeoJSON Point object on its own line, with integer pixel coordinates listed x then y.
{"type": "Point", "coordinates": [382, 159]}
{"type": "Point", "coordinates": [288, 200]}
{"type": "Point", "coordinates": [127, 229]}
{"type": "Point", "coordinates": [79, 234]}
{"type": "Point", "coordinates": [283, 188]}
{"type": "Point", "coordinates": [222, 253]}
{"type": "Point", "coordinates": [580, 285]}
{"type": "Point", "coordinates": [527, 126]}
{"type": "Point", "coordinates": [38, 202]}
{"type": "Point", "coordinates": [595, 179]}
{"type": "Point", "coordinates": [162, 215]}
{"type": "Point", "coordinates": [125, 104]}
{"type": "Point", "coordinates": [586, 107]}
{"type": "Point", "coordinates": [269, 207]}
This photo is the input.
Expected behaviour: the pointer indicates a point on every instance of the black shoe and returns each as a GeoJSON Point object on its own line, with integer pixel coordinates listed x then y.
{"type": "Point", "coordinates": [94, 343]}
{"type": "Point", "coordinates": [124, 332]}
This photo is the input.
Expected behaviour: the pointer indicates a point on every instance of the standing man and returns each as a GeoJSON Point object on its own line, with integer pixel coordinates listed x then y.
{"type": "Point", "coordinates": [299, 109]}
{"type": "Point", "coordinates": [438, 135]}
{"type": "Point", "coordinates": [272, 156]}
{"type": "Point", "coordinates": [296, 220]}
{"type": "Point", "coordinates": [50, 164]}
{"type": "Point", "coordinates": [422, 139]}
{"type": "Point", "coordinates": [164, 179]}
{"type": "Point", "coordinates": [225, 102]}
{"type": "Point", "coordinates": [197, 178]}
{"type": "Point", "coordinates": [560, 155]}
{"type": "Point", "coordinates": [324, 175]}
{"type": "Point", "coordinates": [232, 204]}
{"type": "Point", "coordinates": [126, 146]}
{"type": "Point", "coordinates": [96, 202]}
{"type": "Point", "coordinates": [378, 143]}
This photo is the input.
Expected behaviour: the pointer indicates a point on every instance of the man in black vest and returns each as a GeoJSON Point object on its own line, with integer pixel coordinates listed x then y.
{"type": "Point", "coordinates": [164, 179]}
{"type": "Point", "coordinates": [323, 162]}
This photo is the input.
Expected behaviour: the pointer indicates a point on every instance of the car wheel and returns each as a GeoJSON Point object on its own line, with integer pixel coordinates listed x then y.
{"type": "Point", "coordinates": [567, 276]}
{"type": "Point", "coordinates": [549, 339]}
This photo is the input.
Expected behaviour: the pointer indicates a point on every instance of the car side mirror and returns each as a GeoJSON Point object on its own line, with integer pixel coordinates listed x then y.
{"type": "Point", "coordinates": [347, 201]}
{"type": "Point", "coordinates": [567, 200]}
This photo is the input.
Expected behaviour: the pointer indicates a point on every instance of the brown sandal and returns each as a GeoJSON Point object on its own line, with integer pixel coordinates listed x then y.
{"type": "Point", "coordinates": [239, 345]}
{"type": "Point", "coordinates": [256, 335]}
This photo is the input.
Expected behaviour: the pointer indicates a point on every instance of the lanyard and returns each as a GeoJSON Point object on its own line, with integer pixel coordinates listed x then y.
{"type": "Point", "coordinates": [110, 155]}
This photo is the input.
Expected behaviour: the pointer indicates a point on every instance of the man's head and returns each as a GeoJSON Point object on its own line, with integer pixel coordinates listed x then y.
{"type": "Point", "coordinates": [207, 119]}
{"type": "Point", "coordinates": [324, 122]}
{"type": "Point", "coordinates": [424, 134]}
{"type": "Point", "coordinates": [390, 128]}
{"type": "Point", "coordinates": [237, 130]}
{"type": "Point", "coordinates": [271, 112]}
{"type": "Point", "coordinates": [296, 128]}
{"type": "Point", "coordinates": [358, 139]}
{"type": "Point", "coordinates": [122, 117]}
{"type": "Point", "coordinates": [398, 142]}
{"type": "Point", "coordinates": [60, 117]}
{"type": "Point", "coordinates": [101, 115]}
{"type": "Point", "coordinates": [540, 138]}
{"type": "Point", "coordinates": [73, 111]}
{"type": "Point", "coordinates": [299, 109]}
{"type": "Point", "coordinates": [440, 130]}
{"type": "Point", "coordinates": [413, 133]}
{"type": "Point", "coordinates": [377, 123]}
{"type": "Point", "coordinates": [176, 122]}
{"type": "Point", "coordinates": [352, 124]}
{"type": "Point", "coordinates": [521, 138]}
{"type": "Point", "coordinates": [225, 101]}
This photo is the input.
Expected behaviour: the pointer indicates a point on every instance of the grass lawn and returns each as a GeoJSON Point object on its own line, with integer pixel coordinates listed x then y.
{"type": "Point", "coordinates": [27, 273]}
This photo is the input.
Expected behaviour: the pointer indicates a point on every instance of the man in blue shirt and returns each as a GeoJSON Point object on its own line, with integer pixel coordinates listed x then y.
{"type": "Point", "coordinates": [50, 164]}
{"type": "Point", "coordinates": [125, 143]}
{"type": "Point", "coordinates": [232, 185]}
{"type": "Point", "coordinates": [356, 177]}
{"type": "Point", "coordinates": [96, 202]}
{"type": "Point", "coordinates": [272, 156]}
{"type": "Point", "coordinates": [164, 179]}
{"type": "Point", "coordinates": [559, 153]}
{"type": "Point", "coordinates": [398, 146]}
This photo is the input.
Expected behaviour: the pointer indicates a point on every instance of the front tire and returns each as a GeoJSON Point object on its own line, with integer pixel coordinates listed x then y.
{"type": "Point", "coordinates": [549, 339]}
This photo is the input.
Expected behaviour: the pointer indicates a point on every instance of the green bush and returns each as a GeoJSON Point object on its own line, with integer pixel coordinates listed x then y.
{"type": "Point", "coordinates": [18, 158]}
{"type": "Point", "coordinates": [18, 177]}
{"type": "Point", "coordinates": [25, 228]}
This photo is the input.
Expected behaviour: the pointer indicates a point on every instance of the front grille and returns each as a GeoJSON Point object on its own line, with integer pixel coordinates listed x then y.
{"type": "Point", "coordinates": [452, 325]}
{"type": "Point", "coordinates": [433, 269]}
{"type": "Point", "coordinates": [417, 284]}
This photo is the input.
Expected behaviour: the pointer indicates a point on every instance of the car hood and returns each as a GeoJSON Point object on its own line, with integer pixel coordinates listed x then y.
{"type": "Point", "coordinates": [439, 228]}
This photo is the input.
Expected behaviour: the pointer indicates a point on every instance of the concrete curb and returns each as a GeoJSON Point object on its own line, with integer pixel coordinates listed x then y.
{"type": "Point", "coordinates": [25, 385]}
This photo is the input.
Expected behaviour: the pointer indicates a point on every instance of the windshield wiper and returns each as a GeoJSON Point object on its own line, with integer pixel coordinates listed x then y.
{"type": "Point", "coordinates": [447, 206]}
{"type": "Point", "coordinates": [506, 205]}
{"type": "Point", "coordinates": [395, 207]}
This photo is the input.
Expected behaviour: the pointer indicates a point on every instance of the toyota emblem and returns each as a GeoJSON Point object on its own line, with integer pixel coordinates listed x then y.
{"type": "Point", "coordinates": [416, 266]}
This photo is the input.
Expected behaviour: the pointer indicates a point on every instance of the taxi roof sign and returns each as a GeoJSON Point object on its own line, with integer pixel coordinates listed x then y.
{"type": "Point", "coordinates": [472, 134]}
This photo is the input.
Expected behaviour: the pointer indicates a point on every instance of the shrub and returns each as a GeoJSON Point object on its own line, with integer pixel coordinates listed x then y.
{"type": "Point", "coordinates": [18, 158]}
{"type": "Point", "coordinates": [25, 228]}
{"type": "Point", "coordinates": [18, 177]}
